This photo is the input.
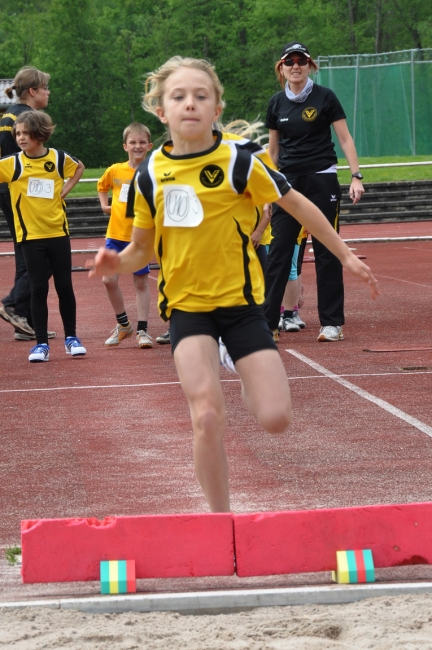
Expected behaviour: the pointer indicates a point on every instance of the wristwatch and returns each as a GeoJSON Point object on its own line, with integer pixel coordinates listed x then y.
{"type": "Point", "coordinates": [357, 175]}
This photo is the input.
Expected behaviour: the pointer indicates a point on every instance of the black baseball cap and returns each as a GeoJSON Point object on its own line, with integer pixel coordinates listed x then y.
{"type": "Point", "coordinates": [294, 46]}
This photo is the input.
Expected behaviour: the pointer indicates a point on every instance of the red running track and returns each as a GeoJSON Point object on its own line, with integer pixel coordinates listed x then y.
{"type": "Point", "coordinates": [109, 434]}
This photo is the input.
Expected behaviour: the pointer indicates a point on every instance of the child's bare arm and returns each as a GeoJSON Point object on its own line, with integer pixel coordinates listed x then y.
{"type": "Point", "coordinates": [73, 180]}
{"type": "Point", "coordinates": [315, 222]}
{"type": "Point", "coordinates": [134, 257]}
{"type": "Point", "coordinates": [103, 200]}
{"type": "Point", "coordinates": [264, 222]}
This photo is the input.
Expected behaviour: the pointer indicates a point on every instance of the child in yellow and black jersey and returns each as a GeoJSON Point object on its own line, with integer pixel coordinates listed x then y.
{"type": "Point", "coordinates": [195, 208]}
{"type": "Point", "coordinates": [36, 182]}
{"type": "Point", "coordinates": [117, 179]}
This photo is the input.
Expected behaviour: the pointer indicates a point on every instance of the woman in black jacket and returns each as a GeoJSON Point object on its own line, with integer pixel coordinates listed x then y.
{"type": "Point", "coordinates": [299, 119]}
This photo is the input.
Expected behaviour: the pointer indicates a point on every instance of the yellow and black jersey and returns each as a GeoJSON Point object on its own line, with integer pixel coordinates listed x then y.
{"type": "Point", "coordinates": [8, 145]}
{"type": "Point", "coordinates": [203, 209]}
{"type": "Point", "coordinates": [249, 145]}
{"type": "Point", "coordinates": [35, 185]}
{"type": "Point", "coordinates": [262, 153]}
{"type": "Point", "coordinates": [118, 178]}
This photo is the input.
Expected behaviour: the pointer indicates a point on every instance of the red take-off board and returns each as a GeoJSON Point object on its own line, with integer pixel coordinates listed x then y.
{"type": "Point", "coordinates": [163, 546]}
{"type": "Point", "coordinates": [306, 541]}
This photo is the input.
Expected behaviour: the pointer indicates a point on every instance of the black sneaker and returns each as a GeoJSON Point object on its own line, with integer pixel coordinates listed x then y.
{"type": "Point", "coordinates": [163, 338]}
{"type": "Point", "coordinates": [19, 336]}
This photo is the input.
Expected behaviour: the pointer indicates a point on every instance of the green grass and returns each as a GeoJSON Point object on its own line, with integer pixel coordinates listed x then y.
{"type": "Point", "coordinates": [11, 554]}
{"type": "Point", "coordinates": [374, 175]}
{"type": "Point", "coordinates": [388, 174]}
{"type": "Point", "coordinates": [87, 189]}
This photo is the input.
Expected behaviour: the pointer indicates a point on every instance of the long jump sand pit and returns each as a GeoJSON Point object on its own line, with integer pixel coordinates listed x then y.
{"type": "Point", "coordinates": [383, 623]}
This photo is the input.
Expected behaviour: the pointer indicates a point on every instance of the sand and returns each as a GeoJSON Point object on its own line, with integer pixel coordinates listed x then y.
{"type": "Point", "coordinates": [383, 623]}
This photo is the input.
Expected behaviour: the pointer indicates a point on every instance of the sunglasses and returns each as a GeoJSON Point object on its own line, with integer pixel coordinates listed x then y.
{"type": "Point", "coordinates": [290, 62]}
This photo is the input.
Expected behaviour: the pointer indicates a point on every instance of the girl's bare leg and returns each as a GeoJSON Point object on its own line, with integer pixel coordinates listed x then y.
{"type": "Point", "coordinates": [265, 389]}
{"type": "Point", "coordinates": [197, 363]}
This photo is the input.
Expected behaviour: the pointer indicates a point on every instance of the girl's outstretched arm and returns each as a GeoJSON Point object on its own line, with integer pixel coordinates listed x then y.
{"type": "Point", "coordinates": [138, 254]}
{"type": "Point", "coordinates": [315, 222]}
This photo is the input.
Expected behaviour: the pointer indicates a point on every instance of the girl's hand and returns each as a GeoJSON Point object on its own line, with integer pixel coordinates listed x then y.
{"type": "Point", "coordinates": [361, 270]}
{"type": "Point", "coordinates": [106, 262]}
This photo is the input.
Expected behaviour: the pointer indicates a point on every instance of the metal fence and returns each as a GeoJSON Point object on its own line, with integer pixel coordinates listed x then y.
{"type": "Point", "coordinates": [387, 98]}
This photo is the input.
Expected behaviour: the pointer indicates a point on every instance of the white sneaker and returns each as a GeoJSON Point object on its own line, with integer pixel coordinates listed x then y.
{"type": "Point", "coordinates": [298, 320]}
{"type": "Point", "coordinates": [289, 325]}
{"type": "Point", "coordinates": [281, 320]}
{"type": "Point", "coordinates": [39, 352]}
{"type": "Point", "coordinates": [144, 340]}
{"type": "Point", "coordinates": [225, 358]}
{"type": "Point", "coordinates": [74, 347]}
{"type": "Point", "coordinates": [331, 333]}
{"type": "Point", "coordinates": [119, 333]}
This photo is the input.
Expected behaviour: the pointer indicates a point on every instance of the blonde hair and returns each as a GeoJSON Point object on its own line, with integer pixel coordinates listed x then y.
{"type": "Point", "coordinates": [154, 88]}
{"type": "Point", "coordinates": [136, 127]}
{"type": "Point", "coordinates": [39, 125]}
{"type": "Point", "coordinates": [26, 78]}
{"type": "Point", "coordinates": [249, 130]}
{"type": "Point", "coordinates": [280, 74]}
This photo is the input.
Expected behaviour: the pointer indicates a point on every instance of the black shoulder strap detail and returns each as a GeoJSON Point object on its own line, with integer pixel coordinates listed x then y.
{"type": "Point", "coordinates": [18, 168]}
{"type": "Point", "coordinates": [60, 164]}
{"type": "Point", "coordinates": [145, 184]}
{"type": "Point", "coordinates": [130, 213]}
{"type": "Point", "coordinates": [241, 169]}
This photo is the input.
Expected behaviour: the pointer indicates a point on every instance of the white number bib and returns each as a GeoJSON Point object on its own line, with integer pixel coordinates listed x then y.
{"type": "Point", "coordinates": [182, 206]}
{"type": "Point", "coordinates": [124, 192]}
{"type": "Point", "coordinates": [40, 188]}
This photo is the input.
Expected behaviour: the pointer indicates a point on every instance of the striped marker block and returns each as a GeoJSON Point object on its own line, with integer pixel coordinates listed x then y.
{"type": "Point", "coordinates": [354, 567]}
{"type": "Point", "coordinates": [117, 577]}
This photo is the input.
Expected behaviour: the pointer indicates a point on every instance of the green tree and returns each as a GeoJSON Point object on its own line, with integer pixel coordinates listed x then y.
{"type": "Point", "coordinates": [23, 34]}
{"type": "Point", "coordinates": [73, 58]}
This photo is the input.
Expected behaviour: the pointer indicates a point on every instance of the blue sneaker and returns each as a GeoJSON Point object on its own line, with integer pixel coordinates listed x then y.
{"type": "Point", "coordinates": [40, 352]}
{"type": "Point", "coordinates": [74, 347]}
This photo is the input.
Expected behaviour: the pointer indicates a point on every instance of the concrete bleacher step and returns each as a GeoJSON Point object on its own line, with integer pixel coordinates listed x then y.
{"type": "Point", "coordinates": [382, 202]}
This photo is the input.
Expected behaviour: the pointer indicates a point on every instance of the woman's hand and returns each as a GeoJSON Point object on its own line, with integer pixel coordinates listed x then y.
{"type": "Point", "coordinates": [106, 262]}
{"type": "Point", "coordinates": [356, 190]}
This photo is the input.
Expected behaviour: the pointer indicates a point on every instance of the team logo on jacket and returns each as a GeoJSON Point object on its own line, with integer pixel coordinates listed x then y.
{"type": "Point", "coordinates": [49, 166]}
{"type": "Point", "coordinates": [309, 114]}
{"type": "Point", "coordinates": [211, 176]}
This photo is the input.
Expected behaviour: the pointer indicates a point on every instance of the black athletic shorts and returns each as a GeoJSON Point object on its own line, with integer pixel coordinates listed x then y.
{"type": "Point", "coordinates": [243, 329]}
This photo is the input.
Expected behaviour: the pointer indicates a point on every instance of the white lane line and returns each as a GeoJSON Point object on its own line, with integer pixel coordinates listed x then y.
{"type": "Point", "coordinates": [421, 426]}
{"type": "Point", "coordinates": [42, 390]}
{"type": "Point", "coordinates": [223, 381]}
{"type": "Point", "coordinates": [388, 277]}
{"type": "Point", "coordinates": [106, 386]}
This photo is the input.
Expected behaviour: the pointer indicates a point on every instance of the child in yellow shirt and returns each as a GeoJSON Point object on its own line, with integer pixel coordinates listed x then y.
{"type": "Point", "coordinates": [117, 179]}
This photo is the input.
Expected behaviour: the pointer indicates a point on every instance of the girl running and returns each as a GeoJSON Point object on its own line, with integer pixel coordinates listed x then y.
{"type": "Point", "coordinates": [195, 207]}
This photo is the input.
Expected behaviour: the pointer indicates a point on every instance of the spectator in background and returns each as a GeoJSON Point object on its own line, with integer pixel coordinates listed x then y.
{"type": "Point", "coordinates": [300, 118]}
{"type": "Point", "coordinates": [31, 89]}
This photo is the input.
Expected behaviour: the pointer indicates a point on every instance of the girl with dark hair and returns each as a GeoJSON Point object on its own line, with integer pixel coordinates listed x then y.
{"type": "Point", "coordinates": [36, 177]}
{"type": "Point", "coordinates": [30, 87]}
